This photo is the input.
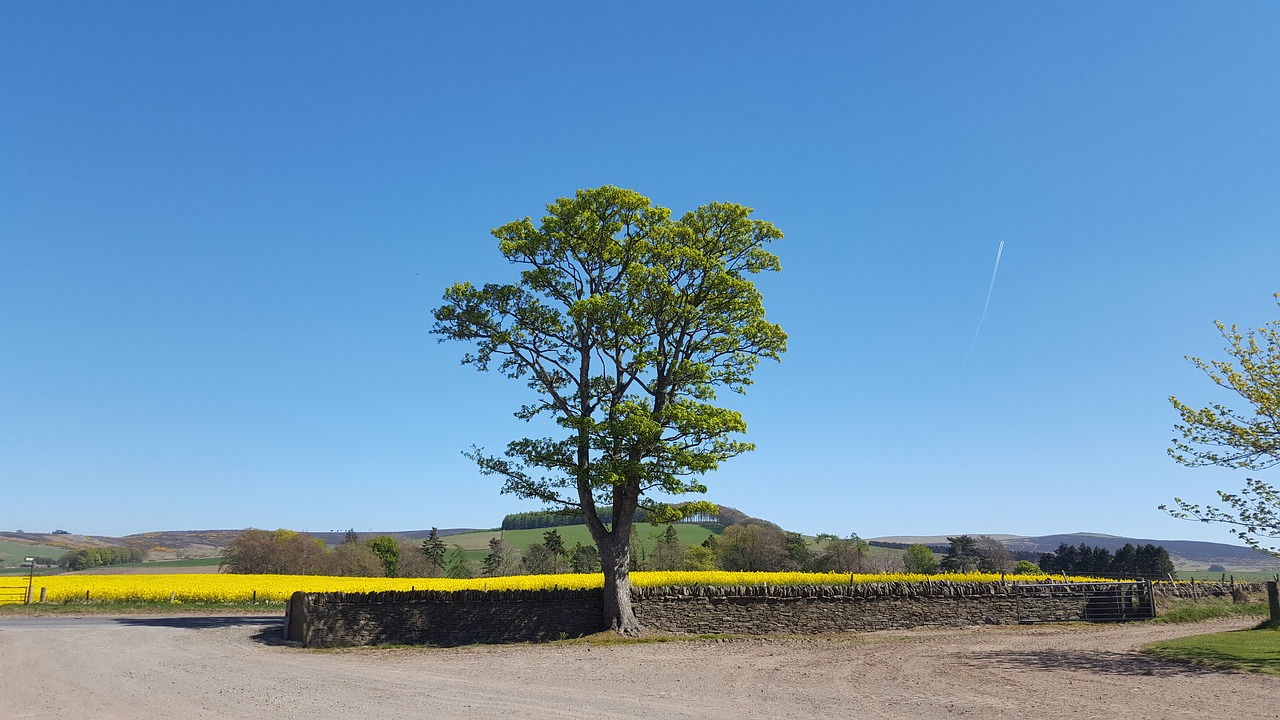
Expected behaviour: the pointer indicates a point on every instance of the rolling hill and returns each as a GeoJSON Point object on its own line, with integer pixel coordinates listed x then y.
{"type": "Point", "coordinates": [1186, 554]}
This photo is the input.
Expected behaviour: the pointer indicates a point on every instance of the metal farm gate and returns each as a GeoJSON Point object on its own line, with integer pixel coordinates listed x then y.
{"type": "Point", "coordinates": [13, 594]}
{"type": "Point", "coordinates": [1091, 602]}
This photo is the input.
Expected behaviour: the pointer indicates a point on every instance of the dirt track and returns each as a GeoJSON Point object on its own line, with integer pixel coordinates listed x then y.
{"type": "Point", "coordinates": [194, 667]}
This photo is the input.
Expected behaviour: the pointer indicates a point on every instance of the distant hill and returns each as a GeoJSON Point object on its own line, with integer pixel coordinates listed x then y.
{"type": "Point", "coordinates": [1186, 554]}
{"type": "Point", "coordinates": [336, 538]}
{"type": "Point", "coordinates": [172, 544]}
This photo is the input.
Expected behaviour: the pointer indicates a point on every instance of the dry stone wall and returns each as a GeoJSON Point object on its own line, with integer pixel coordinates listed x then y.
{"type": "Point", "coordinates": [459, 618]}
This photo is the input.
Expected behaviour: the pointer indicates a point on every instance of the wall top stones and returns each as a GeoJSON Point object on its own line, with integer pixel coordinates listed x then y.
{"type": "Point", "coordinates": [940, 588]}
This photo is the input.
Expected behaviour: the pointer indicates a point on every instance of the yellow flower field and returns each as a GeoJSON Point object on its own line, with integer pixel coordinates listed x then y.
{"type": "Point", "coordinates": [216, 588]}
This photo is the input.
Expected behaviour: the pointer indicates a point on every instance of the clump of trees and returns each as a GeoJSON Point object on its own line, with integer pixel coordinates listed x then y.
{"type": "Point", "coordinates": [978, 554]}
{"type": "Point", "coordinates": [1150, 561]}
{"type": "Point", "coordinates": [85, 558]}
{"type": "Point", "coordinates": [288, 552]}
{"type": "Point", "coordinates": [759, 547]}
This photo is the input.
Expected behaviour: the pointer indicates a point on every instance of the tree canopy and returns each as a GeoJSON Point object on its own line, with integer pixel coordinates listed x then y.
{"type": "Point", "coordinates": [624, 323]}
{"type": "Point", "coordinates": [1219, 435]}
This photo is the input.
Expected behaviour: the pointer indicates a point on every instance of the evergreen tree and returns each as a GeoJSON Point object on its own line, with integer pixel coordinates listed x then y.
{"type": "Point", "coordinates": [962, 556]}
{"type": "Point", "coordinates": [502, 560]}
{"type": "Point", "coordinates": [433, 548]}
{"type": "Point", "coordinates": [584, 558]}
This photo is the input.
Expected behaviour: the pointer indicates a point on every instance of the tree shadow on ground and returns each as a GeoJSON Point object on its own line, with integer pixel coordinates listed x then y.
{"type": "Point", "coordinates": [1098, 662]}
{"type": "Point", "coordinates": [202, 622]}
{"type": "Point", "coordinates": [271, 632]}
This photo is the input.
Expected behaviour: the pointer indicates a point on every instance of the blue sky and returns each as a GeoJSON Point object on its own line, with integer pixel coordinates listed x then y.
{"type": "Point", "coordinates": [223, 228]}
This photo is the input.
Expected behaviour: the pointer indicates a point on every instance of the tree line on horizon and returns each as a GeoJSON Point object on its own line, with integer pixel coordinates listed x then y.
{"type": "Point", "coordinates": [87, 558]}
{"type": "Point", "coordinates": [1145, 561]}
{"type": "Point", "coordinates": [724, 516]}
{"type": "Point", "coordinates": [758, 546]}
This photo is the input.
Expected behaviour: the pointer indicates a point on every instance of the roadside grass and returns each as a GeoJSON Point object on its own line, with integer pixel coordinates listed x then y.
{"type": "Point", "coordinates": [1176, 610]}
{"type": "Point", "coordinates": [1242, 576]}
{"type": "Point", "coordinates": [1256, 650]}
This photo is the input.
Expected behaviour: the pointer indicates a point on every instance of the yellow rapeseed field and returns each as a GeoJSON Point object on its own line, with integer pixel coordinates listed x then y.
{"type": "Point", "coordinates": [219, 588]}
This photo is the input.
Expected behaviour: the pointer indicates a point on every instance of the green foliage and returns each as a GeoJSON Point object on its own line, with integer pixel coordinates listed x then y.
{"type": "Point", "coordinates": [625, 323]}
{"type": "Point", "coordinates": [503, 559]}
{"type": "Point", "coordinates": [552, 541]}
{"type": "Point", "coordinates": [699, 557]}
{"type": "Point", "coordinates": [962, 556]}
{"type": "Point", "coordinates": [539, 560]}
{"type": "Point", "coordinates": [584, 558]}
{"type": "Point", "coordinates": [843, 555]}
{"type": "Point", "coordinates": [1150, 560]}
{"type": "Point", "coordinates": [85, 558]}
{"type": "Point", "coordinates": [668, 552]}
{"type": "Point", "coordinates": [458, 565]}
{"type": "Point", "coordinates": [1026, 567]}
{"type": "Point", "coordinates": [1218, 435]}
{"type": "Point", "coordinates": [433, 549]}
{"type": "Point", "coordinates": [387, 549]}
{"type": "Point", "coordinates": [751, 548]}
{"type": "Point", "coordinates": [919, 559]}
{"type": "Point", "coordinates": [799, 556]}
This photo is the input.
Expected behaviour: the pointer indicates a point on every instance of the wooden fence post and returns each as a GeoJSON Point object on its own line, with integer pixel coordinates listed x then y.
{"type": "Point", "coordinates": [43, 591]}
{"type": "Point", "coordinates": [1273, 599]}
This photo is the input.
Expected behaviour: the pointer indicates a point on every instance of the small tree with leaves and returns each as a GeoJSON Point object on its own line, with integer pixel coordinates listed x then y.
{"type": "Point", "coordinates": [1218, 435]}
{"type": "Point", "coordinates": [919, 559]}
{"type": "Point", "coordinates": [387, 549]}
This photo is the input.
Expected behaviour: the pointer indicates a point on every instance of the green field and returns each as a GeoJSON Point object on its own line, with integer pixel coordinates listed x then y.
{"type": "Point", "coordinates": [12, 552]}
{"type": "Point", "coordinates": [183, 563]}
{"type": "Point", "coordinates": [1249, 650]}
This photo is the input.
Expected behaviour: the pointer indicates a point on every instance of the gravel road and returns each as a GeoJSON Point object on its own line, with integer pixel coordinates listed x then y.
{"type": "Point", "coordinates": [212, 667]}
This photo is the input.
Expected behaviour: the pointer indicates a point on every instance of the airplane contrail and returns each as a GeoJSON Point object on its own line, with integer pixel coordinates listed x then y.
{"type": "Point", "coordinates": [991, 287]}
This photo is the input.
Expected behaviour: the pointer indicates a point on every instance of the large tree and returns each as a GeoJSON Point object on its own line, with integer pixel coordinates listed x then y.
{"type": "Point", "coordinates": [625, 323]}
{"type": "Point", "coordinates": [1226, 437]}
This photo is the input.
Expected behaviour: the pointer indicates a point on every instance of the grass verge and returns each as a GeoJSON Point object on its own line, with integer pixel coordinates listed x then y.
{"type": "Point", "coordinates": [1187, 611]}
{"type": "Point", "coordinates": [1256, 650]}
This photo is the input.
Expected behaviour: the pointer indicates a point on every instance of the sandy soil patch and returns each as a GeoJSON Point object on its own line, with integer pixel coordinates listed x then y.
{"type": "Point", "coordinates": [208, 667]}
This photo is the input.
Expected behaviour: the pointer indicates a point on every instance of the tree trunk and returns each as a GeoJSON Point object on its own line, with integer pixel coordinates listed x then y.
{"type": "Point", "coordinates": [615, 557]}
